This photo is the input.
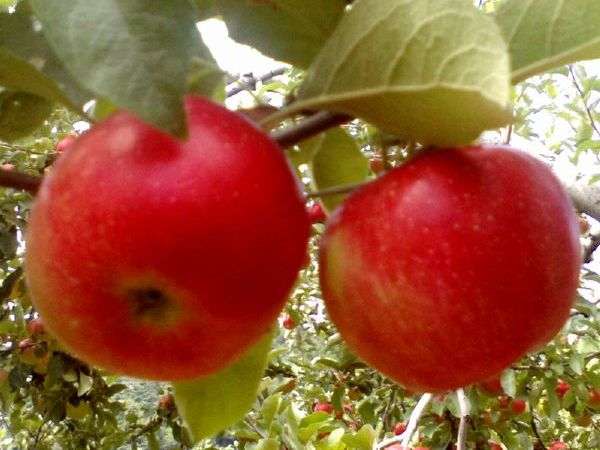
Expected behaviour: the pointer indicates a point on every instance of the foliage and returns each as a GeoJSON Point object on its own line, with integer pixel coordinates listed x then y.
{"type": "Point", "coordinates": [441, 78]}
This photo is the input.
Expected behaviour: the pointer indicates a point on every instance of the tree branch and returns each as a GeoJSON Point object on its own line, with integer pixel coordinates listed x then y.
{"type": "Point", "coordinates": [309, 127]}
{"type": "Point", "coordinates": [19, 180]}
{"type": "Point", "coordinates": [413, 422]}
{"type": "Point", "coordinates": [465, 409]}
{"type": "Point", "coordinates": [250, 83]}
{"type": "Point", "coordinates": [583, 100]}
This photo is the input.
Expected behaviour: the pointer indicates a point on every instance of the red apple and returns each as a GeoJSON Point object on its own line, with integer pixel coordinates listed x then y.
{"type": "Point", "coordinates": [562, 387]}
{"type": "Point", "coordinates": [65, 143]}
{"type": "Point", "coordinates": [164, 258]}
{"type": "Point", "coordinates": [323, 407]}
{"type": "Point", "coordinates": [8, 167]}
{"type": "Point", "coordinates": [518, 406]}
{"type": "Point", "coordinates": [289, 323]}
{"type": "Point", "coordinates": [316, 213]}
{"type": "Point", "coordinates": [503, 401]}
{"type": "Point", "coordinates": [463, 258]}
{"type": "Point", "coordinates": [594, 397]}
{"type": "Point", "coordinates": [495, 446]}
{"type": "Point", "coordinates": [399, 428]}
{"type": "Point", "coordinates": [558, 445]}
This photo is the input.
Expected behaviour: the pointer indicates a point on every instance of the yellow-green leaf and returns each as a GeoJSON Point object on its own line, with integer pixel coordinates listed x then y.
{"type": "Point", "coordinates": [543, 34]}
{"type": "Point", "coordinates": [337, 161]}
{"type": "Point", "coordinates": [432, 71]}
{"type": "Point", "coordinates": [21, 114]}
{"type": "Point", "coordinates": [292, 31]}
{"type": "Point", "coordinates": [211, 404]}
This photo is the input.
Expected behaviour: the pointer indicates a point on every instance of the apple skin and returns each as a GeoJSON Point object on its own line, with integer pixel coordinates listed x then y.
{"type": "Point", "coordinates": [166, 259]}
{"type": "Point", "coordinates": [558, 445]}
{"type": "Point", "coordinates": [65, 143]}
{"type": "Point", "coordinates": [444, 271]}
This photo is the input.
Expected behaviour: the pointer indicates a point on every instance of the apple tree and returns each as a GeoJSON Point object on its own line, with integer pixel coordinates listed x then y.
{"type": "Point", "coordinates": [355, 261]}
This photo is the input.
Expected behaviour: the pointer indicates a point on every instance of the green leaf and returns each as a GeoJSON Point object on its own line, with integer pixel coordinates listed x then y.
{"type": "Point", "coordinates": [28, 64]}
{"type": "Point", "coordinates": [337, 161]}
{"type": "Point", "coordinates": [432, 72]}
{"type": "Point", "coordinates": [210, 404]}
{"type": "Point", "coordinates": [266, 444]}
{"type": "Point", "coordinates": [543, 34]}
{"type": "Point", "coordinates": [363, 439]}
{"type": "Point", "coordinates": [21, 114]}
{"type": "Point", "coordinates": [205, 77]}
{"type": "Point", "coordinates": [135, 53]}
{"type": "Point", "coordinates": [292, 31]}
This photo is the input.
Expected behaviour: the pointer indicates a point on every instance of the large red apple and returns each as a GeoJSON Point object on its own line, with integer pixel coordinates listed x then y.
{"type": "Point", "coordinates": [446, 270]}
{"type": "Point", "coordinates": [163, 258]}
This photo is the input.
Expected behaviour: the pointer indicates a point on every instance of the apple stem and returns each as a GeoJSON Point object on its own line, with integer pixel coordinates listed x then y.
{"type": "Point", "coordinates": [309, 127]}
{"type": "Point", "coordinates": [464, 407]}
{"type": "Point", "coordinates": [413, 422]}
{"type": "Point", "coordinates": [249, 83]}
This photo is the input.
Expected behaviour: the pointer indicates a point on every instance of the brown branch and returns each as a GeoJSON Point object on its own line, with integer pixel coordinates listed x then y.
{"type": "Point", "coordinates": [250, 83]}
{"type": "Point", "coordinates": [309, 127]}
{"type": "Point", "coordinates": [588, 253]}
{"type": "Point", "coordinates": [19, 180]}
{"type": "Point", "coordinates": [582, 95]}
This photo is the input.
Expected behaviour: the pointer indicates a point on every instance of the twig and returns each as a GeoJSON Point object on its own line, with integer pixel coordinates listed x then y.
{"type": "Point", "coordinates": [588, 253]}
{"type": "Point", "coordinates": [464, 407]}
{"type": "Point", "coordinates": [311, 126]}
{"type": "Point", "coordinates": [582, 95]}
{"type": "Point", "coordinates": [536, 432]}
{"type": "Point", "coordinates": [20, 180]}
{"type": "Point", "coordinates": [250, 83]}
{"type": "Point", "coordinates": [416, 414]}
{"type": "Point", "coordinates": [341, 189]}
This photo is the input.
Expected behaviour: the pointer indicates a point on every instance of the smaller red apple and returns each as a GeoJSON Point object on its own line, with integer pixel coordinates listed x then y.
{"type": "Point", "coordinates": [518, 406]}
{"type": "Point", "coordinates": [65, 143]}
{"type": "Point", "coordinates": [495, 446]}
{"type": "Point", "coordinates": [493, 386]}
{"type": "Point", "coordinates": [35, 327]}
{"type": "Point", "coordinates": [558, 445]}
{"type": "Point", "coordinates": [399, 428]}
{"type": "Point", "coordinates": [323, 407]}
{"type": "Point", "coordinates": [8, 167]}
{"type": "Point", "coordinates": [562, 387]}
{"type": "Point", "coordinates": [289, 323]}
{"type": "Point", "coordinates": [316, 214]}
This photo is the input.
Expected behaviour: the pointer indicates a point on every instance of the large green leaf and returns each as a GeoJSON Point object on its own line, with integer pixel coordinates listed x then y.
{"type": "Point", "coordinates": [210, 404]}
{"type": "Point", "coordinates": [21, 113]}
{"type": "Point", "coordinates": [135, 53]}
{"type": "Point", "coordinates": [336, 161]}
{"type": "Point", "coordinates": [292, 31]}
{"type": "Point", "coordinates": [433, 71]}
{"type": "Point", "coordinates": [28, 64]}
{"type": "Point", "coordinates": [543, 34]}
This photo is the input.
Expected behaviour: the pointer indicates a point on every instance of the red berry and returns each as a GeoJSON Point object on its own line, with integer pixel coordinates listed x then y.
{"type": "Point", "coordinates": [166, 402]}
{"type": "Point", "coordinates": [323, 407]}
{"type": "Point", "coordinates": [562, 387]}
{"type": "Point", "coordinates": [493, 386]}
{"type": "Point", "coordinates": [289, 323]}
{"type": "Point", "coordinates": [518, 406]}
{"type": "Point", "coordinates": [594, 397]}
{"type": "Point", "coordinates": [399, 428]}
{"type": "Point", "coordinates": [503, 401]}
{"type": "Point", "coordinates": [65, 143]}
{"type": "Point", "coordinates": [558, 445]}
{"type": "Point", "coordinates": [316, 213]}
{"type": "Point", "coordinates": [35, 326]}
